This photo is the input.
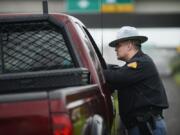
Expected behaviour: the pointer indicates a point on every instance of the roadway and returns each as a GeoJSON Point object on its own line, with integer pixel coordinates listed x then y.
{"type": "Point", "coordinates": [162, 58]}
{"type": "Point", "coordinates": [171, 115]}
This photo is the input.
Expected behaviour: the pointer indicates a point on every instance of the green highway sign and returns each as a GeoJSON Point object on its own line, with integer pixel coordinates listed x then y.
{"type": "Point", "coordinates": [89, 6]}
{"type": "Point", "coordinates": [83, 6]}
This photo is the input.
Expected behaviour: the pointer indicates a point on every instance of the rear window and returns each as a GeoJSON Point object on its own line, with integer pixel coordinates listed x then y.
{"type": "Point", "coordinates": [33, 46]}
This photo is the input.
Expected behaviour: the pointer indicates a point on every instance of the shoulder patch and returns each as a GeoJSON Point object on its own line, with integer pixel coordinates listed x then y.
{"type": "Point", "coordinates": [133, 65]}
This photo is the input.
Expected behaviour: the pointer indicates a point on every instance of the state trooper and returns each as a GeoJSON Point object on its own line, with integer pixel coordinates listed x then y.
{"type": "Point", "coordinates": [141, 94]}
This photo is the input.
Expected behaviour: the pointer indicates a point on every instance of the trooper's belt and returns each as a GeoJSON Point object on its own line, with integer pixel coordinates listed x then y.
{"type": "Point", "coordinates": [143, 116]}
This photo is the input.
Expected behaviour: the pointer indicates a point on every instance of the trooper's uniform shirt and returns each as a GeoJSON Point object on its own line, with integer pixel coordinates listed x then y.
{"type": "Point", "coordinates": [138, 84]}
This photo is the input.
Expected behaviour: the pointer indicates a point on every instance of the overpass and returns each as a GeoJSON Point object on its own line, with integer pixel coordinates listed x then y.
{"type": "Point", "coordinates": [114, 20]}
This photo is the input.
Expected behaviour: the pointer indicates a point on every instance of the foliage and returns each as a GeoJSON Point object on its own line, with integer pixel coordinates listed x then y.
{"type": "Point", "coordinates": [175, 64]}
{"type": "Point", "coordinates": [177, 78]}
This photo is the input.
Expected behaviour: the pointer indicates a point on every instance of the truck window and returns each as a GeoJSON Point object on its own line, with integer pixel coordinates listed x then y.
{"type": "Point", "coordinates": [88, 45]}
{"type": "Point", "coordinates": [33, 46]}
{"type": "Point", "coordinates": [102, 61]}
{"type": "Point", "coordinates": [92, 51]}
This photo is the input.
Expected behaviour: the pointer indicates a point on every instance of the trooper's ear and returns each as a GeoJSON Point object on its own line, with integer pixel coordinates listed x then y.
{"type": "Point", "coordinates": [130, 46]}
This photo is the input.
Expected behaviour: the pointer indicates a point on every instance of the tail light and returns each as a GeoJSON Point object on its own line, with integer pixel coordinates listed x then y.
{"type": "Point", "coordinates": [61, 124]}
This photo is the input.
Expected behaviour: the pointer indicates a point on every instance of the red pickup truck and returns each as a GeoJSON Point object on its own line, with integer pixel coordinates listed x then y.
{"type": "Point", "coordinates": [51, 78]}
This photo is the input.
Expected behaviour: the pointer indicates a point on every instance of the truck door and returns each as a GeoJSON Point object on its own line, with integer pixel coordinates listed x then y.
{"type": "Point", "coordinates": [100, 64]}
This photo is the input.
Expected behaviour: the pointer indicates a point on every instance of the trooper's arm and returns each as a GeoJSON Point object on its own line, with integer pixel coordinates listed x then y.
{"type": "Point", "coordinates": [128, 74]}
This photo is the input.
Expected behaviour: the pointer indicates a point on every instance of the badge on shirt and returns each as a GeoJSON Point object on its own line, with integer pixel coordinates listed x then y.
{"type": "Point", "coordinates": [133, 65]}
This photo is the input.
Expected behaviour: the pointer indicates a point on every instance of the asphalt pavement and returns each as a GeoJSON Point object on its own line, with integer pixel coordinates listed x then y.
{"type": "Point", "coordinates": [172, 114]}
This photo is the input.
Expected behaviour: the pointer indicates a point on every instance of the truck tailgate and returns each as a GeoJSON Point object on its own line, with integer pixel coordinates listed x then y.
{"type": "Point", "coordinates": [24, 114]}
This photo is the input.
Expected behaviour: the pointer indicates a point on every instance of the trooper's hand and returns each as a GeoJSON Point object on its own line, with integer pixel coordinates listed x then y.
{"type": "Point", "coordinates": [112, 66]}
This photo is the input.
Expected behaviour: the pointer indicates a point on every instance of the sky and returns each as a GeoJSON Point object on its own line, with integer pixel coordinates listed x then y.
{"type": "Point", "coordinates": [160, 37]}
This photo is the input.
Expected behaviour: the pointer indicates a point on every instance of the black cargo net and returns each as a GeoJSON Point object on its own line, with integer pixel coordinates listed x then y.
{"type": "Point", "coordinates": [32, 46]}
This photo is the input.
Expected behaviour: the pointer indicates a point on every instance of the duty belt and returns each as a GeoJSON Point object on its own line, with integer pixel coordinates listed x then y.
{"type": "Point", "coordinates": [142, 116]}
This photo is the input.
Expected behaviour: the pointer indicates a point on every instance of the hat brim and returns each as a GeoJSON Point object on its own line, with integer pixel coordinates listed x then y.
{"type": "Point", "coordinates": [142, 39]}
